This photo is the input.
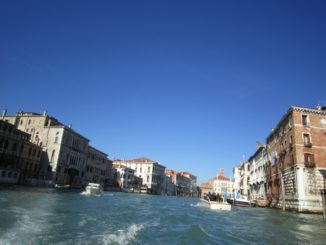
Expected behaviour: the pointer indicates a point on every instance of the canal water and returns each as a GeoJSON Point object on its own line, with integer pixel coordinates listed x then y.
{"type": "Point", "coordinates": [119, 218]}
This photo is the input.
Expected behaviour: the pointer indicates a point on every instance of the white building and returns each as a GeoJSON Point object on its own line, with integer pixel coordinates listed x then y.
{"type": "Point", "coordinates": [244, 178]}
{"type": "Point", "coordinates": [236, 178]}
{"type": "Point", "coordinates": [150, 171]}
{"type": "Point", "coordinates": [258, 164]}
{"type": "Point", "coordinates": [125, 176]}
{"type": "Point", "coordinates": [222, 184]}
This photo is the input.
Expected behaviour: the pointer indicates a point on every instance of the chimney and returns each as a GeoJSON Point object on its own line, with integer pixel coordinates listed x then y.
{"type": "Point", "coordinates": [258, 144]}
{"type": "Point", "coordinates": [318, 107]}
{"type": "Point", "coordinates": [70, 126]}
{"type": "Point", "coordinates": [45, 112]}
{"type": "Point", "coordinates": [4, 112]}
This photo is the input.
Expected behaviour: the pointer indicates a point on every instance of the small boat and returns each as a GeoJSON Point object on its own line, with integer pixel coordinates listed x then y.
{"type": "Point", "coordinates": [240, 201]}
{"type": "Point", "coordinates": [93, 189]}
{"type": "Point", "coordinates": [215, 205]}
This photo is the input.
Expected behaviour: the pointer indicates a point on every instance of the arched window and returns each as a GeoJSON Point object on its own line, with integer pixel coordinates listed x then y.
{"type": "Point", "coordinates": [52, 156]}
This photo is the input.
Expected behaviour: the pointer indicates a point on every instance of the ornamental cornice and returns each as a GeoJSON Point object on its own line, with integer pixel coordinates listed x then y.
{"type": "Point", "coordinates": [309, 110]}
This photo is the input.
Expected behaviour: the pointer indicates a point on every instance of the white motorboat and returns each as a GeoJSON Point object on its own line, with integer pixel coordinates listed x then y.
{"type": "Point", "coordinates": [240, 201]}
{"type": "Point", "coordinates": [215, 205]}
{"type": "Point", "coordinates": [93, 189]}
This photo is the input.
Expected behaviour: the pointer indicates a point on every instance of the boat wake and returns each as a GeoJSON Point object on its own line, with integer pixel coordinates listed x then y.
{"type": "Point", "coordinates": [123, 237]}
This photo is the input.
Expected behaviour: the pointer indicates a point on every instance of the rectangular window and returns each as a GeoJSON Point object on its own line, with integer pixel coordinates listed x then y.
{"type": "Point", "coordinates": [306, 140]}
{"type": "Point", "coordinates": [309, 160]}
{"type": "Point", "coordinates": [304, 120]}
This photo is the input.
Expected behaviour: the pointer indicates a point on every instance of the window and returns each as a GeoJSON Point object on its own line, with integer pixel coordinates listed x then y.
{"type": "Point", "coordinates": [309, 160]}
{"type": "Point", "coordinates": [304, 120]}
{"type": "Point", "coordinates": [6, 145]}
{"type": "Point", "coordinates": [29, 121]}
{"type": "Point", "coordinates": [14, 147]}
{"type": "Point", "coordinates": [52, 156]}
{"type": "Point", "coordinates": [147, 179]}
{"type": "Point", "coordinates": [21, 121]}
{"type": "Point", "coordinates": [306, 140]}
{"type": "Point", "coordinates": [56, 137]}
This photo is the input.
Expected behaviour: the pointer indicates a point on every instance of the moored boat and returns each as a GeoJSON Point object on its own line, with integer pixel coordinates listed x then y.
{"type": "Point", "coordinates": [240, 201]}
{"type": "Point", "coordinates": [93, 189]}
{"type": "Point", "coordinates": [215, 205]}
{"type": "Point", "coordinates": [262, 203]}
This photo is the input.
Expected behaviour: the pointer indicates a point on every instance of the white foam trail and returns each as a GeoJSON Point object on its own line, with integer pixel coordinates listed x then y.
{"type": "Point", "coordinates": [123, 237]}
{"type": "Point", "coordinates": [195, 205]}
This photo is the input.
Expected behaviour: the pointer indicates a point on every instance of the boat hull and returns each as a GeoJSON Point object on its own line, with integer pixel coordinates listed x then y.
{"type": "Point", "coordinates": [262, 203]}
{"type": "Point", "coordinates": [215, 205]}
{"type": "Point", "coordinates": [239, 203]}
{"type": "Point", "coordinates": [93, 190]}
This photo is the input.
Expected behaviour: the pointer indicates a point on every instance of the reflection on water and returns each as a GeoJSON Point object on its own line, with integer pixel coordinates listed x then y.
{"type": "Point", "coordinates": [118, 218]}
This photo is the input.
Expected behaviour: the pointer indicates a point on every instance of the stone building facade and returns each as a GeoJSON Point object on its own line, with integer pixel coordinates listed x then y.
{"type": "Point", "coordinates": [151, 172]}
{"type": "Point", "coordinates": [222, 184]}
{"type": "Point", "coordinates": [97, 167]}
{"type": "Point", "coordinates": [19, 158]}
{"type": "Point", "coordinates": [66, 151]}
{"type": "Point", "coordinates": [297, 153]}
{"type": "Point", "coordinates": [258, 165]}
{"type": "Point", "coordinates": [125, 177]}
{"type": "Point", "coordinates": [193, 183]}
{"type": "Point", "coordinates": [244, 179]}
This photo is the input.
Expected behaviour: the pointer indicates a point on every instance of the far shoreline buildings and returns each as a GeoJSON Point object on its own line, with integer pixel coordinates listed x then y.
{"type": "Point", "coordinates": [38, 150]}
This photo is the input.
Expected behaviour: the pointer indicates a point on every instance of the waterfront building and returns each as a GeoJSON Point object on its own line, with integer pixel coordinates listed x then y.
{"type": "Point", "coordinates": [172, 176]}
{"type": "Point", "coordinates": [207, 187]}
{"type": "Point", "coordinates": [151, 172]}
{"type": "Point", "coordinates": [98, 167]}
{"type": "Point", "coordinates": [183, 185]}
{"type": "Point", "coordinates": [244, 178]}
{"type": "Point", "coordinates": [169, 188]}
{"type": "Point", "coordinates": [66, 150]}
{"type": "Point", "coordinates": [222, 184]}
{"type": "Point", "coordinates": [19, 158]}
{"type": "Point", "coordinates": [125, 177]}
{"type": "Point", "coordinates": [258, 165]}
{"type": "Point", "coordinates": [193, 183]}
{"type": "Point", "coordinates": [236, 178]}
{"type": "Point", "coordinates": [297, 152]}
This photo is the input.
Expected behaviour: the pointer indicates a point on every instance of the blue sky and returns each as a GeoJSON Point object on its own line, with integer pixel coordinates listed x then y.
{"type": "Point", "coordinates": [191, 84]}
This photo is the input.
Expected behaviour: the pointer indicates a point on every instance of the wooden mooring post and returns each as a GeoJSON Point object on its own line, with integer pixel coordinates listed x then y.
{"type": "Point", "coordinates": [323, 194]}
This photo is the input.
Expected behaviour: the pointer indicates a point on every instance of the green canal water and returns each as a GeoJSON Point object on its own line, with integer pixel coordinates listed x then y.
{"type": "Point", "coordinates": [119, 218]}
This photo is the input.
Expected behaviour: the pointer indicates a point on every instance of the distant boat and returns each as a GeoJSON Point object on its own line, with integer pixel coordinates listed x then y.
{"type": "Point", "coordinates": [93, 189]}
{"type": "Point", "coordinates": [240, 201]}
{"type": "Point", "coordinates": [215, 205]}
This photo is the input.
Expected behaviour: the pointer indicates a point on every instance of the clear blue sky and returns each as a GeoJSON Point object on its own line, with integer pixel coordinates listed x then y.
{"type": "Point", "coordinates": [191, 84]}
